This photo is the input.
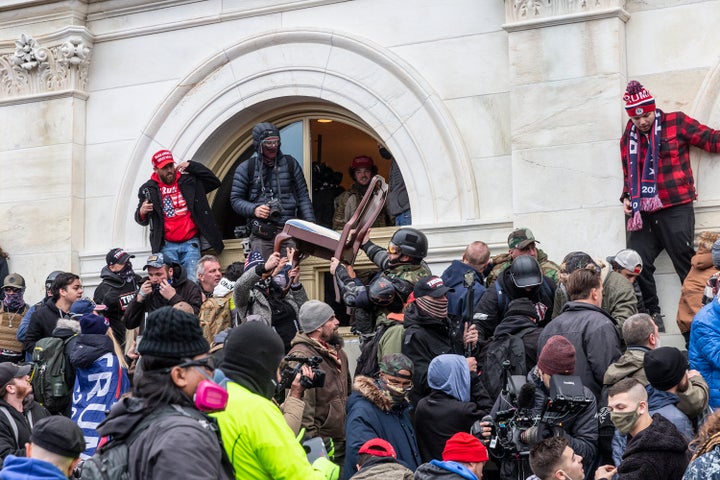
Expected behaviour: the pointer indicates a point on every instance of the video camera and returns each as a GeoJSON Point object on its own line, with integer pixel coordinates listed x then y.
{"type": "Point", "coordinates": [288, 373]}
{"type": "Point", "coordinates": [518, 413]}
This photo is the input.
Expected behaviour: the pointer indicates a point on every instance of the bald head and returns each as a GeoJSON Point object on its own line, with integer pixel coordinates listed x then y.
{"type": "Point", "coordinates": [477, 255]}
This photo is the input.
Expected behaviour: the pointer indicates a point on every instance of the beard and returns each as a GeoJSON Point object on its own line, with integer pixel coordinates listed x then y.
{"type": "Point", "coordinates": [334, 339]}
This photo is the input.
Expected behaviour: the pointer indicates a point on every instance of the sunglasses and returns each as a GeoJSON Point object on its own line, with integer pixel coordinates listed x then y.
{"type": "Point", "coordinates": [207, 363]}
{"type": "Point", "coordinates": [393, 249]}
{"type": "Point", "coordinates": [12, 289]}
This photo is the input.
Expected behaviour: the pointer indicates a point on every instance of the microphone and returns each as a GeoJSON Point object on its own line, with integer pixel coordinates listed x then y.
{"type": "Point", "coordinates": [526, 396]}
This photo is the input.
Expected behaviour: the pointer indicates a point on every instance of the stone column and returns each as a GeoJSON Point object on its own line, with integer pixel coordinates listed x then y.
{"type": "Point", "coordinates": [43, 96]}
{"type": "Point", "coordinates": [567, 76]}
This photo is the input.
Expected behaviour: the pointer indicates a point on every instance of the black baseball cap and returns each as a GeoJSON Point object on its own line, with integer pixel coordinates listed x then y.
{"type": "Point", "coordinates": [432, 286]}
{"type": "Point", "coordinates": [117, 255]}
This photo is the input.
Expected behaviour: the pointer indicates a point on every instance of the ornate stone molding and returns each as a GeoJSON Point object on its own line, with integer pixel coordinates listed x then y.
{"type": "Point", "coordinates": [34, 69]}
{"type": "Point", "coordinates": [529, 14]}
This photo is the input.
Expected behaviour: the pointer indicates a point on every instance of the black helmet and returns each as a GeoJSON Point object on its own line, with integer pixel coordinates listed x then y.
{"type": "Point", "coordinates": [525, 272]}
{"type": "Point", "coordinates": [381, 291]}
{"type": "Point", "coordinates": [51, 278]}
{"type": "Point", "coordinates": [410, 242]}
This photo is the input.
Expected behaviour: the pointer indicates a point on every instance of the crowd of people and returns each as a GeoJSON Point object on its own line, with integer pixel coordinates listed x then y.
{"type": "Point", "coordinates": [509, 366]}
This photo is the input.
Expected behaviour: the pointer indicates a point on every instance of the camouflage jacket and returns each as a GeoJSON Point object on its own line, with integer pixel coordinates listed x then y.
{"type": "Point", "coordinates": [549, 268]}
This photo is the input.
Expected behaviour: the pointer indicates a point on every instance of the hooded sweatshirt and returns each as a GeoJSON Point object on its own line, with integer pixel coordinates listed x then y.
{"type": "Point", "coordinates": [21, 468]}
{"type": "Point", "coordinates": [449, 408]}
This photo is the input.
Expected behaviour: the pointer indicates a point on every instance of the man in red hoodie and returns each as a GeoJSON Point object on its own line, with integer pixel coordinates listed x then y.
{"type": "Point", "coordinates": [174, 203]}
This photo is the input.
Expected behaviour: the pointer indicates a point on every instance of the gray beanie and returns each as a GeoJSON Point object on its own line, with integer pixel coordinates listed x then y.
{"type": "Point", "coordinates": [313, 315]}
{"type": "Point", "coordinates": [716, 253]}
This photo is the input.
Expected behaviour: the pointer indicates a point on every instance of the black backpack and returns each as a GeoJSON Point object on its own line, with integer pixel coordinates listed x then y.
{"type": "Point", "coordinates": [110, 461]}
{"type": "Point", "coordinates": [52, 374]}
{"type": "Point", "coordinates": [367, 362]}
{"type": "Point", "coordinates": [498, 350]}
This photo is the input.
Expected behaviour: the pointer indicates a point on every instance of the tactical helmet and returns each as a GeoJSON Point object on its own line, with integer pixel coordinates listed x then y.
{"type": "Point", "coordinates": [51, 278]}
{"type": "Point", "coordinates": [525, 272]}
{"type": "Point", "coordinates": [410, 242]}
{"type": "Point", "coordinates": [381, 291]}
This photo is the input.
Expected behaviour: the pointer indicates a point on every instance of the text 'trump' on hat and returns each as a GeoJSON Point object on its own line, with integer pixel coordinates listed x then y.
{"type": "Point", "coordinates": [117, 255]}
{"type": "Point", "coordinates": [432, 286]}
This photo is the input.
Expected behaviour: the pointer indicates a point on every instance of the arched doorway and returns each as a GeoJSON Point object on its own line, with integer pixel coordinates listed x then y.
{"type": "Point", "coordinates": [323, 143]}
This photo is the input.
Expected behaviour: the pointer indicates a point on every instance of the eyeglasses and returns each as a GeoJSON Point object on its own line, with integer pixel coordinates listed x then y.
{"type": "Point", "coordinates": [12, 289]}
{"type": "Point", "coordinates": [393, 249]}
{"type": "Point", "coordinates": [208, 363]}
{"type": "Point", "coordinates": [271, 143]}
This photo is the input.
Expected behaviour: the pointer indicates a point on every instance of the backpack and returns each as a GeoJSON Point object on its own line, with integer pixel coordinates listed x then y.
{"type": "Point", "coordinates": [215, 316]}
{"type": "Point", "coordinates": [367, 363]}
{"type": "Point", "coordinates": [52, 374]}
{"type": "Point", "coordinates": [110, 461]}
{"type": "Point", "coordinates": [497, 350]}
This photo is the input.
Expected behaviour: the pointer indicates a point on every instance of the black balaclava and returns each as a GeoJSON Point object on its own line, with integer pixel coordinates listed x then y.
{"type": "Point", "coordinates": [253, 352]}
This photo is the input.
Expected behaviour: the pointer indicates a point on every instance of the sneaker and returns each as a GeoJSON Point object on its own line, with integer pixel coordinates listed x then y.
{"type": "Point", "coordinates": [658, 319]}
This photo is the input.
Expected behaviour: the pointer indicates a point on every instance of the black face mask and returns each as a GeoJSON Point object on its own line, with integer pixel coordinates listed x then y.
{"type": "Point", "coordinates": [127, 272]}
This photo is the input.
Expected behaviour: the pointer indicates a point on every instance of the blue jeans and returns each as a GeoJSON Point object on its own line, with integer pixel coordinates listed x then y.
{"type": "Point", "coordinates": [185, 253]}
{"type": "Point", "coordinates": [403, 218]}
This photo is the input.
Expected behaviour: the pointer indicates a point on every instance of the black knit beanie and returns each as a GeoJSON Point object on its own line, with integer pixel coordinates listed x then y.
{"type": "Point", "coordinates": [665, 367]}
{"type": "Point", "coordinates": [172, 333]}
{"type": "Point", "coordinates": [253, 352]}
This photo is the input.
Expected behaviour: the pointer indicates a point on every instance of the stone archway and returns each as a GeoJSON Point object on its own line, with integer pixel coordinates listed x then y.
{"type": "Point", "coordinates": [372, 83]}
{"type": "Point", "coordinates": [706, 169]}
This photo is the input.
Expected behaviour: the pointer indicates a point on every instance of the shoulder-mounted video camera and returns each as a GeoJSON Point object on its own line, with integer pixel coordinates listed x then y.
{"type": "Point", "coordinates": [518, 414]}
{"type": "Point", "coordinates": [288, 373]}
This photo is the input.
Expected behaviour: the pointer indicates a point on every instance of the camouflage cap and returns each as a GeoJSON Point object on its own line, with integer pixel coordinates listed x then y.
{"type": "Point", "coordinates": [393, 363]}
{"type": "Point", "coordinates": [521, 238]}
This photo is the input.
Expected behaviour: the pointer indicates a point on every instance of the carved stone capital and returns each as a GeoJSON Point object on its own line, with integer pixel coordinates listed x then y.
{"type": "Point", "coordinates": [528, 14]}
{"type": "Point", "coordinates": [57, 63]}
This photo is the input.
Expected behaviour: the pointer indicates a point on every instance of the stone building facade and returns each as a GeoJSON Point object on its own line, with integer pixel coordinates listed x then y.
{"type": "Point", "coordinates": [499, 113]}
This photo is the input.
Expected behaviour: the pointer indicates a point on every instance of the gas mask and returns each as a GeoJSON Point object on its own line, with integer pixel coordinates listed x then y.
{"type": "Point", "coordinates": [209, 396]}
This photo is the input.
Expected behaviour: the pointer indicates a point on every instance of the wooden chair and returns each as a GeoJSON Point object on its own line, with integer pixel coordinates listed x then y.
{"type": "Point", "coordinates": [319, 241]}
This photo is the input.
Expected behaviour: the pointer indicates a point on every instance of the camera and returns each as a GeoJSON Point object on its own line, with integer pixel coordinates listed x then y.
{"type": "Point", "coordinates": [288, 373]}
{"type": "Point", "coordinates": [518, 425]}
{"type": "Point", "coordinates": [275, 210]}
{"type": "Point", "coordinates": [241, 231]}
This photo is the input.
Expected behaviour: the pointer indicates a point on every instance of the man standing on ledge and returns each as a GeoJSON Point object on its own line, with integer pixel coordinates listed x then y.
{"type": "Point", "coordinates": [174, 203]}
{"type": "Point", "coordinates": [269, 189]}
{"type": "Point", "coordinates": [658, 187]}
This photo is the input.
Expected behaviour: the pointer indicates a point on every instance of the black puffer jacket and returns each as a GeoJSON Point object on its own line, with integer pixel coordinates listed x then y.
{"type": "Point", "coordinates": [286, 182]}
{"type": "Point", "coordinates": [116, 293]}
{"type": "Point", "coordinates": [425, 338]}
{"type": "Point", "coordinates": [659, 452]}
{"type": "Point", "coordinates": [496, 299]}
{"type": "Point", "coordinates": [195, 183]}
{"type": "Point", "coordinates": [185, 291]}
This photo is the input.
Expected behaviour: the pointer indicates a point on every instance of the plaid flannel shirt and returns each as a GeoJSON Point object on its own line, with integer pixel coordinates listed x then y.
{"type": "Point", "coordinates": [675, 182]}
